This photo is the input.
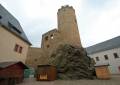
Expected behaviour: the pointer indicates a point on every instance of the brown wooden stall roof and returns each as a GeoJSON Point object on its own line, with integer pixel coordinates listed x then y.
{"type": "Point", "coordinates": [7, 64]}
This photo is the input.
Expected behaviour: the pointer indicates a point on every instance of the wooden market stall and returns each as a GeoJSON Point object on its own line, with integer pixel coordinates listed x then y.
{"type": "Point", "coordinates": [102, 71]}
{"type": "Point", "coordinates": [12, 72]}
{"type": "Point", "coordinates": [46, 72]}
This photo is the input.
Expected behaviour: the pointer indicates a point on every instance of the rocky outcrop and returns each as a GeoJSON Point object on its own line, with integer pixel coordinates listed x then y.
{"type": "Point", "coordinates": [72, 63]}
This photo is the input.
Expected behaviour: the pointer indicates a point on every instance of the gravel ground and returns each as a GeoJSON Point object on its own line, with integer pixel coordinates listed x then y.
{"type": "Point", "coordinates": [115, 80]}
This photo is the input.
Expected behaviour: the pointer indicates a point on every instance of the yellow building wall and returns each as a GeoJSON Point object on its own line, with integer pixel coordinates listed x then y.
{"type": "Point", "coordinates": [7, 45]}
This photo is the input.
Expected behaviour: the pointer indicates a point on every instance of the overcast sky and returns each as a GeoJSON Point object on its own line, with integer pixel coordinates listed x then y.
{"type": "Point", "coordinates": [98, 20]}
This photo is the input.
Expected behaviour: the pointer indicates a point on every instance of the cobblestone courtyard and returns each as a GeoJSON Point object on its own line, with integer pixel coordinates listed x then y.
{"type": "Point", "coordinates": [115, 80]}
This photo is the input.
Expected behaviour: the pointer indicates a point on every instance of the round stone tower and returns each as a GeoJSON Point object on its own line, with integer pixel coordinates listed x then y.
{"type": "Point", "coordinates": [67, 26]}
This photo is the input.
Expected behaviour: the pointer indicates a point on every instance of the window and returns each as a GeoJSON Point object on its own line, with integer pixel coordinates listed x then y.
{"type": "Point", "coordinates": [51, 36]}
{"type": "Point", "coordinates": [46, 38]}
{"type": "Point", "coordinates": [20, 50]}
{"type": "Point", "coordinates": [115, 55]}
{"type": "Point", "coordinates": [14, 28]}
{"type": "Point", "coordinates": [75, 21]}
{"type": "Point", "coordinates": [0, 17]}
{"type": "Point", "coordinates": [97, 58]}
{"type": "Point", "coordinates": [106, 57]}
{"type": "Point", "coordinates": [35, 60]}
{"type": "Point", "coordinates": [48, 46]}
{"type": "Point", "coordinates": [16, 47]}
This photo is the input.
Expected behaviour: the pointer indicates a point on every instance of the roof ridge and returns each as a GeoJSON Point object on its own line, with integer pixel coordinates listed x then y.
{"type": "Point", "coordinates": [106, 45]}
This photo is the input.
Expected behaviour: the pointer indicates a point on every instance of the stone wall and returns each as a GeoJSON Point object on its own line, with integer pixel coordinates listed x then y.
{"type": "Point", "coordinates": [35, 56]}
{"type": "Point", "coordinates": [50, 41]}
{"type": "Point", "coordinates": [67, 25]}
{"type": "Point", "coordinates": [67, 33]}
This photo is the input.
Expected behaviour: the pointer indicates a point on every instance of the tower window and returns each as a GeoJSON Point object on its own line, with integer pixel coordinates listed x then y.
{"type": "Point", "coordinates": [48, 46]}
{"type": "Point", "coordinates": [106, 57]}
{"type": "Point", "coordinates": [35, 60]}
{"type": "Point", "coordinates": [51, 36]}
{"type": "Point", "coordinates": [75, 21]}
{"type": "Point", "coordinates": [115, 55]}
{"type": "Point", "coordinates": [46, 38]}
{"type": "Point", "coordinates": [97, 59]}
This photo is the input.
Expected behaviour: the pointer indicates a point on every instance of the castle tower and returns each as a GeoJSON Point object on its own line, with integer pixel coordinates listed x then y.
{"type": "Point", "coordinates": [67, 26]}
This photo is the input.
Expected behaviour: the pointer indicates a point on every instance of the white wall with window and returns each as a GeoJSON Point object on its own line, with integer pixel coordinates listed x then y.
{"type": "Point", "coordinates": [111, 56]}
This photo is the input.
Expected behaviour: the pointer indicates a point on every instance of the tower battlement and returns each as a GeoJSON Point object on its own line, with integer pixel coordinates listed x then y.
{"type": "Point", "coordinates": [65, 7]}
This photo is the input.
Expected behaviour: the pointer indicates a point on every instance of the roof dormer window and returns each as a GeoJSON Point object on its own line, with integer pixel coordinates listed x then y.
{"type": "Point", "coordinates": [0, 17]}
{"type": "Point", "coordinates": [14, 28]}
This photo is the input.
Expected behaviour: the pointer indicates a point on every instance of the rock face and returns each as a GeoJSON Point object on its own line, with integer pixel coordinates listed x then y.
{"type": "Point", "coordinates": [72, 63]}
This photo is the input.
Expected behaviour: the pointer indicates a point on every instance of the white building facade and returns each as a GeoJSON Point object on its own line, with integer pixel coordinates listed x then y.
{"type": "Point", "coordinates": [107, 52]}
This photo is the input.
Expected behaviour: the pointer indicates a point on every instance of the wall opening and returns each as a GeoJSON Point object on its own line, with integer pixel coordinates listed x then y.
{"type": "Point", "coordinates": [46, 38]}
{"type": "Point", "coordinates": [106, 57]}
{"type": "Point", "coordinates": [35, 60]}
{"type": "Point", "coordinates": [75, 21]}
{"type": "Point", "coordinates": [51, 36]}
{"type": "Point", "coordinates": [115, 55]}
{"type": "Point", "coordinates": [97, 59]}
{"type": "Point", "coordinates": [48, 46]}
{"type": "Point", "coordinates": [0, 17]}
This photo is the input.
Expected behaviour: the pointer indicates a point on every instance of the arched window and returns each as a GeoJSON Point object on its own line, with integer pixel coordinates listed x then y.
{"type": "Point", "coordinates": [51, 36]}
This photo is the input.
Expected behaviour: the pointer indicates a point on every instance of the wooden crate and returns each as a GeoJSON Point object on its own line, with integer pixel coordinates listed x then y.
{"type": "Point", "coordinates": [46, 72]}
{"type": "Point", "coordinates": [102, 72]}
